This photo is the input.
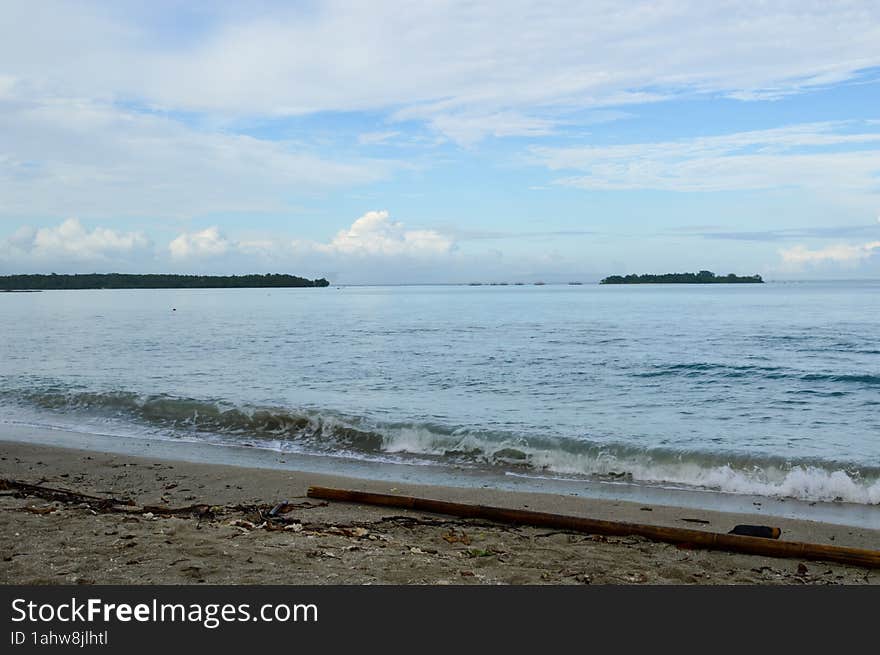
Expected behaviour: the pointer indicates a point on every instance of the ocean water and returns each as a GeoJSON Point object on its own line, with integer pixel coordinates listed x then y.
{"type": "Point", "coordinates": [769, 390]}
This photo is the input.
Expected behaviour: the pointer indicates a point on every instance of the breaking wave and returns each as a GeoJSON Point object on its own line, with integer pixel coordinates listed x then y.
{"type": "Point", "coordinates": [333, 433]}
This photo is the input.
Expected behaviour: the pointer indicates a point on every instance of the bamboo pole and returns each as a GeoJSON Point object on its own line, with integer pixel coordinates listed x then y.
{"type": "Point", "coordinates": [681, 536]}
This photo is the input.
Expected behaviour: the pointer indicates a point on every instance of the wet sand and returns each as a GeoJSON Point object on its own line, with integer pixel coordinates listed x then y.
{"type": "Point", "coordinates": [51, 541]}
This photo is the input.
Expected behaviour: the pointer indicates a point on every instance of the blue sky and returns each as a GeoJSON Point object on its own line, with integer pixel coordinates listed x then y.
{"type": "Point", "coordinates": [441, 141]}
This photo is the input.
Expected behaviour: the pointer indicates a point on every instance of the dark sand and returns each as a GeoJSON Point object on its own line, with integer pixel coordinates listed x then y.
{"type": "Point", "coordinates": [52, 542]}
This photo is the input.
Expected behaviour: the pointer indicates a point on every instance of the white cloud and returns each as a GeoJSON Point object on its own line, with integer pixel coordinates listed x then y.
{"type": "Point", "coordinates": [467, 128]}
{"type": "Point", "coordinates": [91, 159]}
{"type": "Point", "coordinates": [207, 243]}
{"type": "Point", "coordinates": [70, 243]}
{"type": "Point", "coordinates": [798, 256]}
{"type": "Point", "coordinates": [71, 238]}
{"type": "Point", "coordinates": [373, 245]}
{"type": "Point", "coordinates": [375, 234]}
{"type": "Point", "coordinates": [455, 60]}
{"type": "Point", "coordinates": [815, 156]}
{"type": "Point", "coordinates": [373, 249]}
{"type": "Point", "coordinates": [376, 138]}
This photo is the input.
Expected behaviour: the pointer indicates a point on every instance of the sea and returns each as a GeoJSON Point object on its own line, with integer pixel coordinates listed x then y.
{"type": "Point", "coordinates": [746, 390]}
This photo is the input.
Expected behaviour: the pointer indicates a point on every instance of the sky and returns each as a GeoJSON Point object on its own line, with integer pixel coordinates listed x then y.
{"type": "Point", "coordinates": [435, 142]}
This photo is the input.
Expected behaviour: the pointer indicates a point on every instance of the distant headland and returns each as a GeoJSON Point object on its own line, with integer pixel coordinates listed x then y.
{"type": "Point", "coordinates": [127, 281]}
{"type": "Point", "coordinates": [703, 277]}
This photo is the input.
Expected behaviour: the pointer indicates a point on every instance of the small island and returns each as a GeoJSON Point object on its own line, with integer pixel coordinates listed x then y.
{"type": "Point", "coordinates": [157, 281]}
{"type": "Point", "coordinates": [703, 277]}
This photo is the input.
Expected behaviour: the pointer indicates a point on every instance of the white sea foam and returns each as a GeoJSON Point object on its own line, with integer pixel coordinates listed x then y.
{"type": "Point", "coordinates": [325, 432]}
{"type": "Point", "coordinates": [803, 482]}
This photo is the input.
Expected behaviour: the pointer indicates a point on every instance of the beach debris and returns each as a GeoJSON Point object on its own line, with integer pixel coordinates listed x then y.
{"type": "Point", "coordinates": [802, 569]}
{"type": "Point", "coordinates": [62, 495]}
{"type": "Point", "coordinates": [278, 510]}
{"type": "Point", "coordinates": [40, 510]}
{"type": "Point", "coordinates": [681, 537]}
{"type": "Point", "coordinates": [762, 531]}
{"type": "Point", "coordinates": [698, 521]}
{"type": "Point", "coordinates": [480, 552]}
{"type": "Point", "coordinates": [453, 537]}
{"type": "Point", "coordinates": [200, 511]}
{"type": "Point", "coordinates": [241, 523]}
{"type": "Point", "coordinates": [646, 509]}
{"type": "Point", "coordinates": [352, 532]}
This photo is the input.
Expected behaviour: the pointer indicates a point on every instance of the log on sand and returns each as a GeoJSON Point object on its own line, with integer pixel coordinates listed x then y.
{"type": "Point", "coordinates": [679, 536]}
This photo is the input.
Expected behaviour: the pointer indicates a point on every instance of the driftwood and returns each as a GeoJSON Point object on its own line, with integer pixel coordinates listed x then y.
{"type": "Point", "coordinates": [62, 495]}
{"type": "Point", "coordinates": [679, 536]}
{"type": "Point", "coordinates": [127, 506]}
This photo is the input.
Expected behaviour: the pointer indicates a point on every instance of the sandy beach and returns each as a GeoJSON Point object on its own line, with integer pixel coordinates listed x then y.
{"type": "Point", "coordinates": [63, 541]}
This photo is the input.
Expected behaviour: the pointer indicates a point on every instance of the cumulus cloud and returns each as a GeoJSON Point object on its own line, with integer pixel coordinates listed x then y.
{"type": "Point", "coordinates": [374, 247]}
{"type": "Point", "coordinates": [207, 243]}
{"type": "Point", "coordinates": [798, 256]}
{"type": "Point", "coordinates": [71, 240]}
{"type": "Point", "coordinates": [375, 233]}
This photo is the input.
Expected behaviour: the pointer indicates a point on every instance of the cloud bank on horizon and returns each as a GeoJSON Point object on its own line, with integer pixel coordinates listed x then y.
{"type": "Point", "coordinates": [438, 142]}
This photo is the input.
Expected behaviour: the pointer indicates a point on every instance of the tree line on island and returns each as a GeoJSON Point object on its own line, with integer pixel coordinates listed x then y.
{"type": "Point", "coordinates": [703, 277]}
{"type": "Point", "coordinates": [153, 281]}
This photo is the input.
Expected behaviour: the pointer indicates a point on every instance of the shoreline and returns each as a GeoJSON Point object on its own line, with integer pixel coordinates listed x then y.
{"type": "Point", "coordinates": [47, 542]}
{"type": "Point", "coordinates": [434, 475]}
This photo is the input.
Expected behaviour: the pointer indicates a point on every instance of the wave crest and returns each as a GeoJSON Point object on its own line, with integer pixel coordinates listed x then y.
{"type": "Point", "coordinates": [331, 433]}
